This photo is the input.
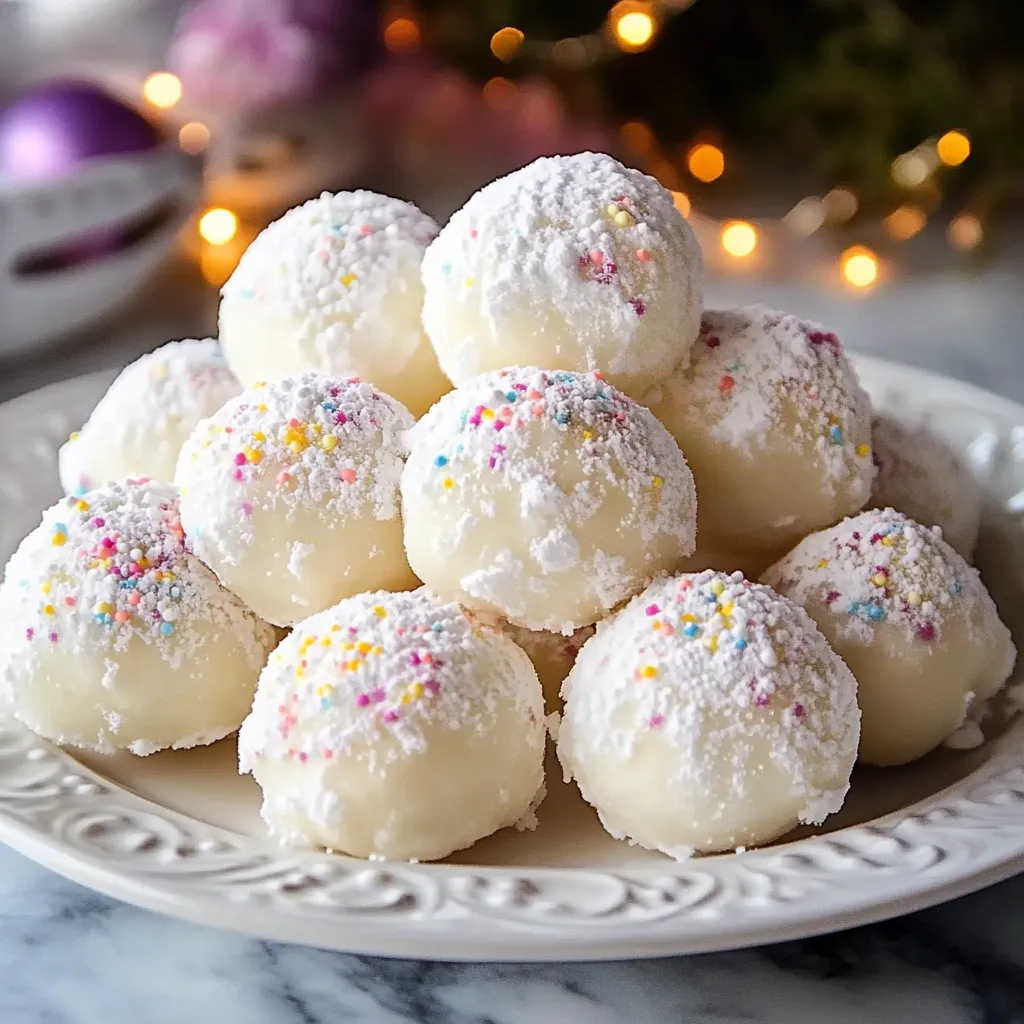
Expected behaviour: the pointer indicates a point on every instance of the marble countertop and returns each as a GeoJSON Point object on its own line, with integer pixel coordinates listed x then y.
{"type": "Point", "coordinates": [69, 956]}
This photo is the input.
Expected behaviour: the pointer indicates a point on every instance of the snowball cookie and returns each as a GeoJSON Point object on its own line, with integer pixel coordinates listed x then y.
{"type": "Point", "coordinates": [922, 476]}
{"type": "Point", "coordinates": [546, 497]}
{"type": "Point", "coordinates": [395, 726]}
{"type": "Point", "coordinates": [334, 285]}
{"type": "Point", "coordinates": [775, 428]}
{"type": "Point", "coordinates": [573, 262]}
{"type": "Point", "coordinates": [912, 620]}
{"type": "Point", "coordinates": [707, 714]}
{"type": "Point", "coordinates": [140, 424]}
{"type": "Point", "coordinates": [290, 494]}
{"type": "Point", "coordinates": [115, 636]}
{"type": "Point", "coordinates": [552, 654]}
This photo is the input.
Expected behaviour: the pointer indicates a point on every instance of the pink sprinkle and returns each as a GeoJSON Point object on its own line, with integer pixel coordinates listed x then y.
{"type": "Point", "coordinates": [653, 609]}
{"type": "Point", "coordinates": [353, 630]}
{"type": "Point", "coordinates": [499, 424]}
{"type": "Point", "coordinates": [348, 475]}
{"type": "Point", "coordinates": [69, 601]}
{"type": "Point", "coordinates": [798, 710]}
{"type": "Point", "coordinates": [106, 543]}
{"type": "Point", "coordinates": [414, 658]}
{"type": "Point", "coordinates": [282, 477]}
{"type": "Point", "coordinates": [643, 255]}
{"type": "Point", "coordinates": [362, 700]}
{"type": "Point", "coordinates": [378, 695]}
{"type": "Point", "coordinates": [99, 521]}
{"type": "Point", "coordinates": [134, 569]}
{"type": "Point", "coordinates": [875, 538]}
{"type": "Point", "coordinates": [121, 616]}
{"type": "Point", "coordinates": [832, 595]}
{"type": "Point", "coordinates": [596, 257]}
{"type": "Point", "coordinates": [926, 632]}
{"type": "Point", "coordinates": [53, 638]}
{"type": "Point", "coordinates": [328, 754]}
{"type": "Point", "coordinates": [473, 232]}
{"type": "Point", "coordinates": [237, 474]}
{"type": "Point", "coordinates": [240, 459]}
{"type": "Point", "coordinates": [432, 685]}
{"type": "Point", "coordinates": [365, 229]}
{"type": "Point", "coordinates": [657, 721]}
{"type": "Point", "coordinates": [763, 700]}
{"type": "Point", "coordinates": [639, 306]}
{"type": "Point", "coordinates": [713, 341]}
{"type": "Point", "coordinates": [475, 420]}
{"type": "Point", "coordinates": [134, 598]}
{"type": "Point", "coordinates": [303, 755]}
{"type": "Point", "coordinates": [856, 535]}
{"type": "Point", "coordinates": [29, 633]}
{"type": "Point", "coordinates": [390, 716]}
{"type": "Point", "coordinates": [335, 391]}
{"type": "Point", "coordinates": [246, 508]}
{"type": "Point", "coordinates": [340, 417]}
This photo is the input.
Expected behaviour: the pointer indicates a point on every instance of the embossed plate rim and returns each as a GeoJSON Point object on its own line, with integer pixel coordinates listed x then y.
{"type": "Point", "coordinates": [62, 815]}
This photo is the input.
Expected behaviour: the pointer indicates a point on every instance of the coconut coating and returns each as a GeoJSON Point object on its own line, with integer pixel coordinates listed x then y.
{"type": "Point", "coordinates": [775, 427]}
{"type": "Point", "coordinates": [334, 285]}
{"type": "Point", "coordinates": [709, 713]}
{"type": "Point", "coordinates": [395, 725]}
{"type": "Point", "coordinates": [572, 262]}
{"type": "Point", "coordinates": [912, 620]}
{"type": "Point", "coordinates": [546, 497]}
{"type": "Point", "coordinates": [116, 636]}
{"type": "Point", "coordinates": [145, 416]}
{"type": "Point", "coordinates": [290, 494]}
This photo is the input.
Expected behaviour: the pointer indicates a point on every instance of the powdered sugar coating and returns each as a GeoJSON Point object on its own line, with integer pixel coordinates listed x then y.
{"type": "Point", "coordinates": [546, 497]}
{"type": "Point", "coordinates": [334, 285]}
{"type": "Point", "coordinates": [106, 581]}
{"type": "Point", "coordinates": [912, 620]}
{"type": "Point", "coordinates": [709, 713]}
{"type": "Point", "coordinates": [407, 693]}
{"type": "Point", "coordinates": [774, 423]}
{"type": "Point", "coordinates": [922, 476]}
{"type": "Point", "coordinates": [572, 262]}
{"type": "Point", "coordinates": [140, 424]}
{"type": "Point", "coordinates": [297, 467]}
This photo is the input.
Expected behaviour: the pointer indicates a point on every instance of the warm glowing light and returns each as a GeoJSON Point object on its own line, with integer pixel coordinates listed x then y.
{"type": "Point", "coordinates": [953, 148]}
{"type": "Point", "coordinates": [573, 52]}
{"type": "Point", "coordinates": [705, 162]}
{"type": "Point", "coordinates": [965, 231]}
{"type": "Point", "coordinates": [638, 137]}
{"type": "Point", "coordinates": [498, 92]}
{"type": "Point", "coordinates": [905, 221]}
{"type": "Point", "coordinates": [218, 226]}
{"type": "Point", "coordinates": [162, 89]}
{"type": "Point", "coordinates": [840, 204]}
{"type": "Point", "coordinates": [217, 263]}
{"type": "Point", "coordinates": [194, 137]}
{"type": "Point", "coordinates": [909, 170]}
{"type": "Point", "coordinates": [682, 203]}
{"type": "Point", "coordinates": [859, 266]}
{"type": "Point", "coordinates": [806, 217]}
{"type": "Point", "coordinates": [505, 43]}
{"type": "Point", "coordinates": [739, 238]}
{"type": "Point", "coordinates": [665, 171]}
{"type": "Point", "coordinates": [633, 25]}
{"type": "Point", "coordinates": [402, 34]}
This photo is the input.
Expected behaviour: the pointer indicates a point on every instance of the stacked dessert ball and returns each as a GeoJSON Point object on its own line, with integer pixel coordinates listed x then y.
{"type": "Point", "coordinates": [530, 539]}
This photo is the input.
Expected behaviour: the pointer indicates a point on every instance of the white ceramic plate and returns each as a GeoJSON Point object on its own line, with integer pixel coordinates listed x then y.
{"type": "Point", "coordinates": [179, 832]}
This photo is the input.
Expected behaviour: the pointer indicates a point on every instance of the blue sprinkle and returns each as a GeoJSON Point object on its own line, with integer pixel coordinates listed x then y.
{"type": "Point", "coordinates": [741, 644]}
{"type": "Point", "coordinates": [876, 613]}
{"type": "Point", "coordinates": [690, 629]}
{"type": "Point", "coordinates": [462, 420]}
{"type": "Point", "coordinates": [166, 628]}
{"type": "Point", "coordinates": [59, 528]}
{"type": "Point", "coordinates": [81, 489]}
{"type": "Point", "coordinates": [329, 406]}
{"type": "Point", "coordinates": [175, 592]}
{"type": "Point", "coordinates": [958, 587]}
{"type": "Point", "coordinates": [711, 598]}
{"type": "Point", "coordinates": [129, 584]}
{"type": "Point", "coordinates": [440, 461]}
{"type": "Point", "coordinates": [511, 396]}
{"type": "Point", "coordinates": [562, 417]}
{"type": "Point", "coordinates": [446, 268]}
{"type": "Point", "coordinates": [563, 376]}
{"type": "Point", "coordinates": [459, 449]}
{"type": "Point", "coordinates": [437, 627]}
{"type": "Point", "coordinates": [835, 435]}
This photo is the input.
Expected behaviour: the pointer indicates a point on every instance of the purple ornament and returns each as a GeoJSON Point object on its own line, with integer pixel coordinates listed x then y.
{"type": "Point", "coordinates": [49, 130]}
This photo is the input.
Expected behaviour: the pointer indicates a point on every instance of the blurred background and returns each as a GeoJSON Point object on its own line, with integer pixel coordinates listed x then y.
{"type": "Point", "coordinates": [856, 161]}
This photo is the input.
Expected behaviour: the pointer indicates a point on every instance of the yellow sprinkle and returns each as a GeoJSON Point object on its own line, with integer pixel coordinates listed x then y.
{"type": "Point", "coordinates": [726, 609]}
{"type": "Point", "coordinates": [587, 435]}
{"type": "Point", "coordinates": [323, 691]}
{"type": "Point", "coordinates": [255, 455]}
{"type": "Point", "coordinates": [300, 671]}
{"type": "Point", "coordinates": [380, 611]}
{"type": "Point", "coordinates": [259, 436]}
{"type": "Point", "coordinates": [449, 483]}
{"type": "Point", "coordinates": [81, 506]}
{"type": "Point", "coordinates": [689, 617]}
{"type": "Point", "coordinates": [887, 542]}
{"type": "Point", "coordinates": [328, 442]}
{"type": "Point", "coordinates": [260, 384]}
{"type": "Point", "coordinates": [716, 588]}
{"type": "Point", "coordinates": [377, 650]}
{"type": "Point", "coordinates": [48, 609]}
{"type": "Point", "coordinates": [326, 642]}
{"type": "Point", "coordinates": [417, 690]}
{"type": "Point", "coordinates": [914, 598]}
{"type": "Point", "coordinates": [354, 664]}
{"type": "Point", "coordinates": [469, 282]}
{"type": "Point", "coordinates": [822, 563]}
{"type": "Point", "coordinates": [262, 405]}
{"type": "Point", "coordinates": [297, 447]}
{"type": "Point", "coordinates": [335, 628]}
{"type": "Point", "coordinates": [657, 482]}
{"type": "Point", "coordinates": [624, 219]}
{"type": "Point", "coordinates": [46, 588]}
{"type": "Point", "coordinates": [656, 624]}
{"type": "Point", "coordinates": [59, 539]}
{"type": "Point", "coordinates": [833, 421]}
{"type": "Point", "coordinates": [364, 648]}
{"type": "Point", "coordinates": [879, 579]}
{"type": "Point", "coordinates": [74, 435]}
{"type": "Point", "coordinates": [348, 646]}
{"type": "Point", "coordinates": [648, 671]}
{"type": "Point", "coordinates": [406, 699]}
{"type": "Point", "coordinates": [863, 450]}
{"type": "Point", "coordinates": [711, 643]}
{"type": "Point", "coordinates": [612, 209]}
{"type": "Point", "coordinates": [488, 414]}
{"type": "Point", "coordinates": [348, 279]}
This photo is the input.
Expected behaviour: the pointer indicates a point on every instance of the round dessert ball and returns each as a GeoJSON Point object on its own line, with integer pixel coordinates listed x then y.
{"type": "Point", "coordinates": [707, 714]}
{"type": "Point", "coordinates": [290, 494]}
{"type": "Point", "coordinates": [395, 726]}
{"type": "Point", "coordinates": [546, 497]}
{"type": "Point", "coordinates": [912, 620]}
{"type": "Point", "coordinates": [552, 654]}
{"type": "Point", "coordinates": [922, 476]}
{"type": "Point", "coordinates": [116, 636]}
{"type": "Point", "coordinates": [775, 428]}
{"type": "Point", "coordinates": [140, 424]}
{"type": "Point", "coordinates": [573, 262]}
{"type": "Point", "coordinates": [334, 285]}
